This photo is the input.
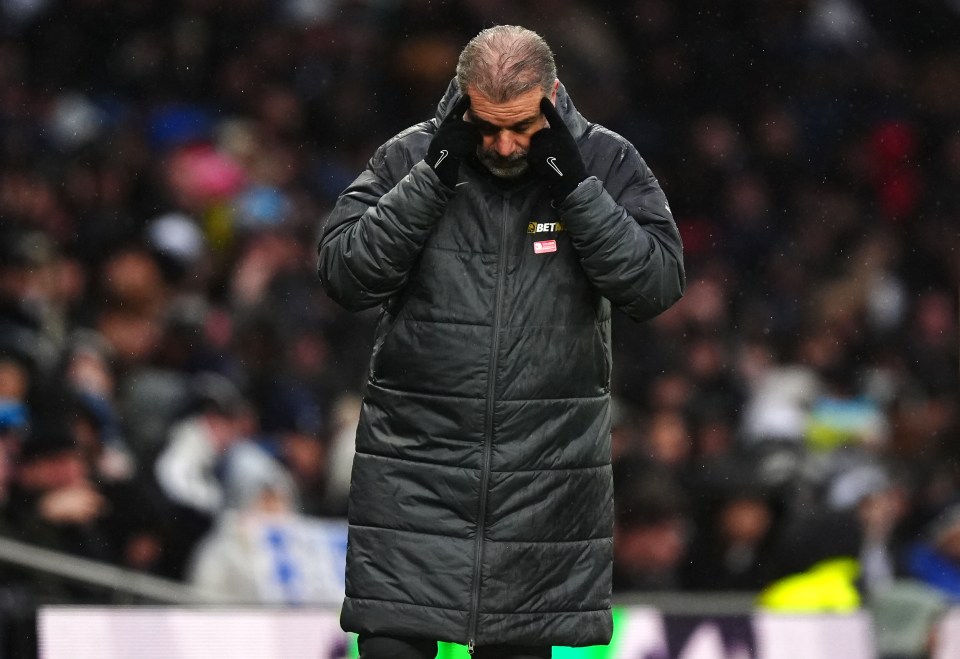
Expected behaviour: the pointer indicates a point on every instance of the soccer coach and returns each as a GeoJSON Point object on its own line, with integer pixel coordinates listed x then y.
{"type": "Point", "coordinates": [495, 239]}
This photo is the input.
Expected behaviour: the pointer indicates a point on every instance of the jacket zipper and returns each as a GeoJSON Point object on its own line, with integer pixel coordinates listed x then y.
{"type": "Point", "coordinates": [488, 434]}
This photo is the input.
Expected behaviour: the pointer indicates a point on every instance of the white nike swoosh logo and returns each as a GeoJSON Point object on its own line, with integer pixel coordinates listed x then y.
{"type": "Point", "coordinates": [443, 154]}
{"type": "Point", "coordinates": [553, 163]}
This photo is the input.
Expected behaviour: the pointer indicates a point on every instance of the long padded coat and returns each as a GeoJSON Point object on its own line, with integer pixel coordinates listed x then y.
{"type": "Point", "coordinates": [481, 495]}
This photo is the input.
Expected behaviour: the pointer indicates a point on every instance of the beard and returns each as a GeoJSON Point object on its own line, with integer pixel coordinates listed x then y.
{"type": "Point", "coordinates": [513, 166]}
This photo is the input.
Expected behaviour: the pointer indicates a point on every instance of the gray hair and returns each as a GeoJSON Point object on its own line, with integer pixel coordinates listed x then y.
{"type": "Point", "coordinates": [505, 61]}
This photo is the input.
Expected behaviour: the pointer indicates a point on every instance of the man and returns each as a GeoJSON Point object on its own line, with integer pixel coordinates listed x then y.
{"type": "Point", "coordinates": [496, 238]}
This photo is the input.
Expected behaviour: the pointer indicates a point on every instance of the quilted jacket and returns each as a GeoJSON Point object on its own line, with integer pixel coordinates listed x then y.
{"type": "Point", "coordinates": [481, 494]}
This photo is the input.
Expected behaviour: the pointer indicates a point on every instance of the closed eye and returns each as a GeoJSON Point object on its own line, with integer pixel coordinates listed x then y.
{"type": "Point", "coordinates": [486, 128]}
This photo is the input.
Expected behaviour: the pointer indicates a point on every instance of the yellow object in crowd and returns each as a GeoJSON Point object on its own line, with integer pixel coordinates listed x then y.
{"type": "Point", "coordinates": [827, 586]}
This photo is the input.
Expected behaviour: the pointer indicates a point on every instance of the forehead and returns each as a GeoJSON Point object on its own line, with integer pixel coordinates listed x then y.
{"type": "Point", "coordinates": [521, 107]}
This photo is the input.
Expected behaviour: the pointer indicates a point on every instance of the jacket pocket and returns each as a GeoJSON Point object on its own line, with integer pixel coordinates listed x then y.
{"type": "Point", "coordinates": [604, 359]}
{"type": "Point", "coordinates": [385, 324]}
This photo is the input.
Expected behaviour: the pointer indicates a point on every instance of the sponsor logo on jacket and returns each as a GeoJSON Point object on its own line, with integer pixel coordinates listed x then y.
{"type": "Point", "coordinates": [545, 227]}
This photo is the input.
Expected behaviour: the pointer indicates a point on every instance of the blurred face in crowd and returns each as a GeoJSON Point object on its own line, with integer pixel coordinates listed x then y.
{"type": "Point", "coordinates": [949, 542]}
{"type": "Point", "coordinates": [55, 470]}
{"type": "Point", "coordinates": [669, 438]}
{"type": "Point", "coordinates": [271, 501]}
{"type": "Point", "coordinates": [89, 372]}
{"type": "Point", "coordinates": [227, 428]}
{"type": "Point", "coordinates": [14, 380]}
{"type": "Point", "coordinates": [506, 129]}
{"type": "Point", "coordinates": [745, 521]}
{"type": "Point", "coordinates": [651, 547]}
{"type": "Point", "coordinates": [880, 512]}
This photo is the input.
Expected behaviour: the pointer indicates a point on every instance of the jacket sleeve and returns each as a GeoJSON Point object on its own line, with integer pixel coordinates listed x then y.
{"type": "Point", "coordinates": [629, 245]}
{"type": "Point", "coordinates": [376, 230]}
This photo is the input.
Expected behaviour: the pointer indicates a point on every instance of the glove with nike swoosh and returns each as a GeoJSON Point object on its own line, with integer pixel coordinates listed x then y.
{"type": "Point", "coordinates": [454, 140]}
{"type": "Point", "coordinates": [554, 155]}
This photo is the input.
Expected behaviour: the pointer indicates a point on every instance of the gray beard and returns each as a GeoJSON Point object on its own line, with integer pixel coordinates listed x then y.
{"type": "Point", "coordinates": [511, 167]}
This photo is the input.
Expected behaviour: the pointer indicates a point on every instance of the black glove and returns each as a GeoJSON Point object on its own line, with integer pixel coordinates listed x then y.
{"type": "Point", "coordinates": [454, 140]}
{"type": "Point", "coordinates": [554, 156]}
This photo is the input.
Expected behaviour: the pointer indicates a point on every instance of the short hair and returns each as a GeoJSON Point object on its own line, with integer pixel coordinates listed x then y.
{"type": "Point", "coordinates": [505, 61]}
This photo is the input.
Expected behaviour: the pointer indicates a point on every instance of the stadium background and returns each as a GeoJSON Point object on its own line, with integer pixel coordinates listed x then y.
{"type": "Point", "coordinates": [164, 171]}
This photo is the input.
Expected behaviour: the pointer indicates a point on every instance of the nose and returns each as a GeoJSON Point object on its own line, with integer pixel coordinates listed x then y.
{"type": "Point", "coordinates": [504, 144]}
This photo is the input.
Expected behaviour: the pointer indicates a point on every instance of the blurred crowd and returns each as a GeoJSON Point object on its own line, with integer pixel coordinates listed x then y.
{"type": "Point", "coordinates": [167, 356]}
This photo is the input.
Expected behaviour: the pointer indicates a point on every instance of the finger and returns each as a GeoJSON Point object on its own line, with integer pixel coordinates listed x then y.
{"type": "Point", "coordinates": [459, 108]}
{"type": "Point", "coordinates": [550, 112]}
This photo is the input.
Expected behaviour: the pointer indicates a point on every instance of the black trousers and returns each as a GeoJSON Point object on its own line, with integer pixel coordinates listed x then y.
{"type": "Point", "coordinates": [388, 647]}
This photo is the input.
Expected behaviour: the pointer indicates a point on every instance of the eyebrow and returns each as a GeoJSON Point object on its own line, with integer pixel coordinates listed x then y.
{"type": "Point", "coordinates": [520, 125]}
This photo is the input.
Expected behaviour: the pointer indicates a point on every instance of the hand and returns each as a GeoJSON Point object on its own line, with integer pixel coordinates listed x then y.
{"type": "Point", "coordinates": [454, 140]}
{"type": "Point", "coordinates": [554, 155]}
{"type": "Point", "coordinates": [72, 504]}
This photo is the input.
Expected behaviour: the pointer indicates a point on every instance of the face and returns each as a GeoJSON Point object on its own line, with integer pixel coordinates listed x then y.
{"type": "Point", "coordinates": [61, 469]}
{"type": "Point", "coordinates": [506, 129]}
{"type": "Point", "coordinates": [14, 380]}
{"type": "Point", "coordinates": [650, 548]}
{"type": "Point", "coordinates": [745, 521]}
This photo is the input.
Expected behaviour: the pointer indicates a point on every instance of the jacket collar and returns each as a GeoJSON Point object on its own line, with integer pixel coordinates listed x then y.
{"type": "Point", "coordinates": [571, 117]}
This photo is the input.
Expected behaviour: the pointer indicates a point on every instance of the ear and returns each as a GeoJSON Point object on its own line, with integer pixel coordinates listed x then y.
{"type": "Point", "coordinates": [553, 94]}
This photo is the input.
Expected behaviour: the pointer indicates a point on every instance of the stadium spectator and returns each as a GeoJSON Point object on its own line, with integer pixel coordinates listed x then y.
{"type": "Point", "coordinates": [262, 549]}
{"type": "Point", "coordinates": [733, 547]}
{"type": "Point", "coordinates": [652, 529]}
{"type": "Point", "coordinates": [187, 470]}
{"type": "Point", "coordinates": [56, 504]}
{"type": "Point", "coordinates": [934, 558]}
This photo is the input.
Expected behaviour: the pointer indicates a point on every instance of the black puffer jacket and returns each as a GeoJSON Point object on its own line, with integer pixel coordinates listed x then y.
{"type": "Point", "coordinates": [481, 499]}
